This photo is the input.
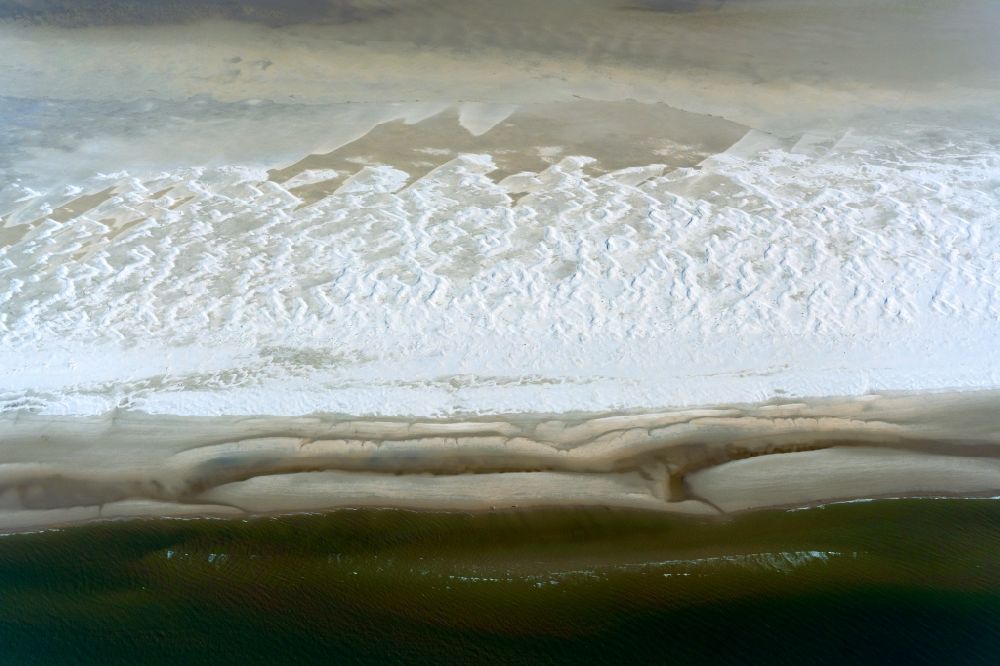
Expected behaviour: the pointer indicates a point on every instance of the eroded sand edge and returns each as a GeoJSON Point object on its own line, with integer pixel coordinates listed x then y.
{"type": "Point", "coordinates": [713, 460]}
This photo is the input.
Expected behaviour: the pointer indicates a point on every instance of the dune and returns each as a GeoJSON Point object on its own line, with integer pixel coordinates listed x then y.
{"type": "Point", "coordinates": [707, 462]}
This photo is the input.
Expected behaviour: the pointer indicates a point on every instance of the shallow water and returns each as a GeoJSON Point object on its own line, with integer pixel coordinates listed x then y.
{"type": "Point", "coordinates": [914, 580]}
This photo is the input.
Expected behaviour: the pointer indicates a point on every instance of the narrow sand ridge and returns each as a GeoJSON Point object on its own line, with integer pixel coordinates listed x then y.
{"type": "Point", "coordinates": [701, 461]}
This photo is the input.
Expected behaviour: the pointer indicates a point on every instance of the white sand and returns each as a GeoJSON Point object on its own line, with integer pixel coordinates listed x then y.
{"type": "Point", "coordinates": [776, 269]}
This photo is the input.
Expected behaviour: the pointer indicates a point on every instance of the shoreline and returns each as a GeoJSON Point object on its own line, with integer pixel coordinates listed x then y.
{"type": "Point", "coordinates": [710, 461]}
{"type": "Point", "coordinates": [132, 512]}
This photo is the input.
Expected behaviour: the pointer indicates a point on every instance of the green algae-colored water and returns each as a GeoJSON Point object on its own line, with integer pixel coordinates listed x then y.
{"type": "Point", "coordinates": [914, 580]}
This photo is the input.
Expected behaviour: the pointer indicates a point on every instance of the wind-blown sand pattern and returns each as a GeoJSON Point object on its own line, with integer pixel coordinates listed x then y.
{"type": "Point", "coordinates": [559, 289]}
{"type": "Point", "coordinates": [324, 215]}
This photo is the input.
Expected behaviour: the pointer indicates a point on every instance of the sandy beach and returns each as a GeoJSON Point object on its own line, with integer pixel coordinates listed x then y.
{"type": "Point", "coordinates": [692, 256]}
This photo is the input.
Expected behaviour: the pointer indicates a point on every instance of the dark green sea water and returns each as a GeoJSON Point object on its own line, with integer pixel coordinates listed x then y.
{"type": "Point", "coordinates": [888, 582]}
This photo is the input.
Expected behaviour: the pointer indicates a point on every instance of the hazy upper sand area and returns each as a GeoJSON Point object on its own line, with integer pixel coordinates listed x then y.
{"type": "Point", "coordinates": [744, 56]}
{"type": "Point", "coordinates": [100, 87]}
{"type": "Point", "coordinates": [139, 84]}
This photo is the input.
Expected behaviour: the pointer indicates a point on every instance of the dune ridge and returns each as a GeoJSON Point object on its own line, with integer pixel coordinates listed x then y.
{"type": "Point", "coordinates": [706, 461]}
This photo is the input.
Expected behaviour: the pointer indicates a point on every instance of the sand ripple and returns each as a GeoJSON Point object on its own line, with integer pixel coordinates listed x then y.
{"type": "Point", "coordinates": [857, 261]}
